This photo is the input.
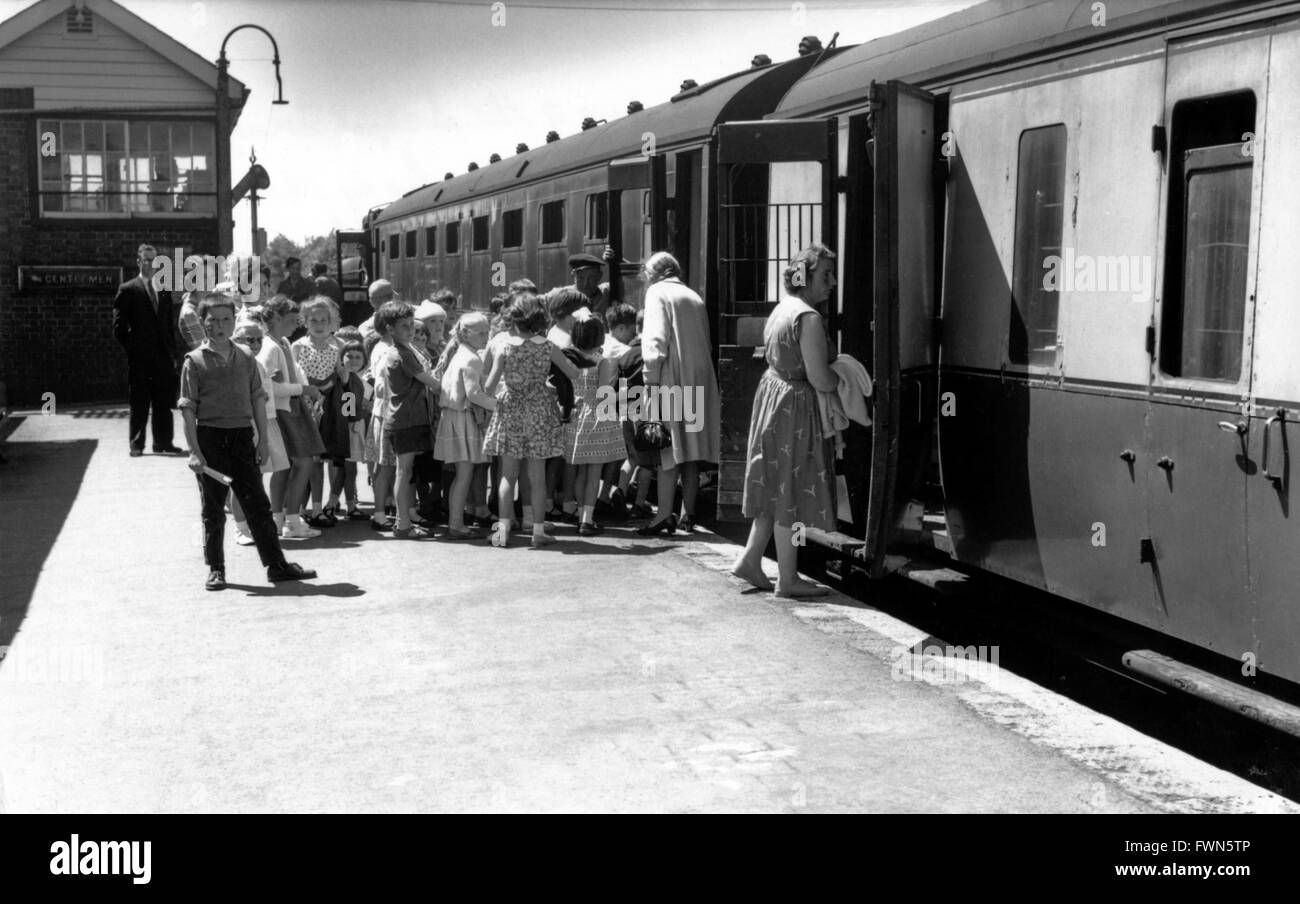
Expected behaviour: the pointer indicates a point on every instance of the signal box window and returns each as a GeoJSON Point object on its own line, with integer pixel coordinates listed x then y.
{"type": "Point", "coordinates": [394, 247]}
{"type": "Point", "coordinates": [1210, 173]}
{"type": "Point", "coordinates": [1040, 222]}
{"type": "Point", "coordinates": [479, 238]}
{"type": "Point", "coordinates": [597, 219]}
{"type": "Point", "coordinates": [512, 229]}
{"type": "Point", "coordinates": [431, 240]}
{"type": "Point", "coordinates": [552, 222]}
{"type": "Point", "coordinates": [453, 238]}
{"type": "Point", "coordinates": [410, 243]}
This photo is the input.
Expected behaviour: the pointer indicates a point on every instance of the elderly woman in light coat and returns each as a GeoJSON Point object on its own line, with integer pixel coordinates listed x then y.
{"type": "Point", "coordinates": [679, 366]}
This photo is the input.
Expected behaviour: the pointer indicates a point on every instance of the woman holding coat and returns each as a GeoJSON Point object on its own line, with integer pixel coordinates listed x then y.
{"type": "Point", "coordinates": [678, 369]}
{"type": "Point", "coordinates": [788, 476]}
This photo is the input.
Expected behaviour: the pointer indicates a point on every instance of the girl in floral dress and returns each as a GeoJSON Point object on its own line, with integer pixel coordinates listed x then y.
{"type": "Point", "coordinates": [526, 424]}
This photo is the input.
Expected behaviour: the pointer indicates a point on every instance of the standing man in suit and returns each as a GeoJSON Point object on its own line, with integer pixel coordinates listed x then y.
{"type": "Point", "coordinates": [144, 322]}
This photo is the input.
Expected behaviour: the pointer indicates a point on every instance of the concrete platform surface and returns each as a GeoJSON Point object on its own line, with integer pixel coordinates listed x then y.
{"type": "Point", "coordinates": [614, 674]}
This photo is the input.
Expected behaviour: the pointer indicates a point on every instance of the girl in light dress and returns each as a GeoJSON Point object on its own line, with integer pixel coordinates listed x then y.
{"type": "Point", "coordinates": [319, 355]}
{"type": "Point", "coordinates": [302, 441]}
{"type": "Point", "coordinates": [594, 435]}
{"type": "Point", "coordinates": [465, 411]}
{"type": "Point", "coordinates": [526, 424]}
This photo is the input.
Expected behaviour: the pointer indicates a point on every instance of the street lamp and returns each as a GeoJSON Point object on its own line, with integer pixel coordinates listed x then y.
{"type": "Point", "coordinates": [225, 222]}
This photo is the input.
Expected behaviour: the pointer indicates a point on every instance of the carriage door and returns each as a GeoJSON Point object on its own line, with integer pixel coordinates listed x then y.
{"type": "Point", "coordinates": [1200, 454]}
{"type": "Point", "coordinates": [905, 149]}
{"type": "Point", "coordinates": [774, 182]}
{"type": "Point", "coordinates": [629, 182]}
{"type": "Point", "coordinates": [352, 251]}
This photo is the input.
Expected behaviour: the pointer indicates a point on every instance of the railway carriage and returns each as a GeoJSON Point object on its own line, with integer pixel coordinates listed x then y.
{"type": "Point", "coordinates": [1066, 235]}
{"type": "Point", "coordinates": [640, 183]}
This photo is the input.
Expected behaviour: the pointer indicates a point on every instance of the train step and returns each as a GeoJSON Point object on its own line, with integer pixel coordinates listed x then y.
{"type": "Point", "coordinates": [940, 580]}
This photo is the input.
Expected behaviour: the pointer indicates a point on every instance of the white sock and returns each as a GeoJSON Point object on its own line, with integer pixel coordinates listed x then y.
{"type": "Point", "coordinates": [528, 514]}
{"type": "Point", "coordinates": [539, 529]}
{"type": "Point", "coordinates": [588, 514]}
{"type": "Point", "coordinates": [294, 518]}
{"type": "Point", "coordinates": [278, 518]}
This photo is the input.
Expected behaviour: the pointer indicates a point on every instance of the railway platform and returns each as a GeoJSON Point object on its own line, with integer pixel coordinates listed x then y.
{"type": "Point", "coordinates": [616, 673]}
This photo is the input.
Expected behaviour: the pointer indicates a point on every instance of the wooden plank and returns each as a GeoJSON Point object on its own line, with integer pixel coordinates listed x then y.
{"type": "Point", "coordinates": [1220, 691]}
{"type": "Point", "coordinates": [833, 539]}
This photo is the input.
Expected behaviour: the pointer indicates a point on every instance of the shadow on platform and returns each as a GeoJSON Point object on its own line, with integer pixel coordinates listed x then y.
{"type": "Point", "coordinates": [37, 489]}
{"type": "Point", "coordinates": [297, 589]}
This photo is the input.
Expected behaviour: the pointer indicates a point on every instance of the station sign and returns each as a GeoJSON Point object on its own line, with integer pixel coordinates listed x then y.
{"type": "Point", "coordinates": [72, 278]}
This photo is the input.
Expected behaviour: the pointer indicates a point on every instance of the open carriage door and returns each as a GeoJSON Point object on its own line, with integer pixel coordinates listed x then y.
{"type": "Point", "coordinates": [775, 196]}
{"type": "Point", "coordinates": [905, 149]}
{"type": "Point", "coordinates": [634, 175]}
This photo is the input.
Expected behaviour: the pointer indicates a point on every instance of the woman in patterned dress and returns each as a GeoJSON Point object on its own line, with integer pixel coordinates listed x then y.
{"type": "Point", "coordinates": [788, 473]}
{"type": "Point", "coordinates": [526, 424]}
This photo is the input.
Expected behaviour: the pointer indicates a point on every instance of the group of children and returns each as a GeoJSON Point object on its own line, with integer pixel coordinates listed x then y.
{"type": "Point", "coordinates": [517, 392]}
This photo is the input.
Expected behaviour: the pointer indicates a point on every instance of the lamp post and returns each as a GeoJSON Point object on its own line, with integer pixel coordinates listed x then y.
{"type": "Point", "coordinates": [225, 220]}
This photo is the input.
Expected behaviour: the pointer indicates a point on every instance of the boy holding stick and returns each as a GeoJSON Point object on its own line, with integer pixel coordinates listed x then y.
{"type": "Point", "coordinates": [221, 395]}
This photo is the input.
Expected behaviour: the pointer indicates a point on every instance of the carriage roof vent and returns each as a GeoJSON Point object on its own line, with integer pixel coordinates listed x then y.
{"type": "Point", "coordinates": [689, 83]}
{"type": "Point", "coordinates": [448, 175]}
{"type": "Point", "coordinates": [588, 123]}
{"type": "Point", "coordinates": [810, 44]}
{"type": "Point", "coordinates": [495, 158]}
{"type": "Point", "coordinates": [552, 136]}
{"type": "Point", "coordinates": [761, 59]}
{"type": "Point", "coordinates": [520, 148]}
{"type": "Point", "coordinates": [472, 166]}
{"type": "Point", "coordinates": [634, 106]}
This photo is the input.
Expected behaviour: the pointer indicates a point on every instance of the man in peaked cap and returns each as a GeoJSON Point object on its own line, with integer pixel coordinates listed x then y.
{"type": "Point", "coordinates": [380, 291]}
{"type": "Point", "coordinates": [586, 270]}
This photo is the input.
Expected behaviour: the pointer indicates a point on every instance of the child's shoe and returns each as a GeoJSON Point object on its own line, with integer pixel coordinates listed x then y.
{"type": "Point", "coordinates": [242, 536]}
{"type": "Point", "coordinates": [296, 530]}
{"type": "Point", "coordinates": [542, 539]}
{"type": "Point", "coordinates": [216, 580]}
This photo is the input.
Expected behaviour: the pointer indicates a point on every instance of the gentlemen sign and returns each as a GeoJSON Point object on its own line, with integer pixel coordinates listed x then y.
{"type": "Point", "coordinates": [53, 279]}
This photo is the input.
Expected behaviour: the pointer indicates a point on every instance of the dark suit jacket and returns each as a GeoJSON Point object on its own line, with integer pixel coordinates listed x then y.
{"type": "Point", "coordinates": [146, 336]}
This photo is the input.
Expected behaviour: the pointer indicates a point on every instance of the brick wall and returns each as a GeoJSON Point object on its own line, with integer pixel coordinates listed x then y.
{"type": "Point", "coordinates": [62, 342]}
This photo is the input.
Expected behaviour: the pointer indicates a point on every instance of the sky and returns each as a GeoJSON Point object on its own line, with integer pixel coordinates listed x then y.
{"type": "Point", "coordinates": [387, 95]}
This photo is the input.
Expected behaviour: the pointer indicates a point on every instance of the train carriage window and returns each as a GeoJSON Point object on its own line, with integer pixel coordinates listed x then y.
{"type": "Point", "coordinates": [453, 237]}
{"type": "Point", "coordinates": [394, 247]}
{"type": "Point", "coordinates": [1040, 221]}
{"type": "Point", "coordinates": [512, 228]}
{"type": "Point", "coordinates": [431, 240]}
{"type": "Point", "coordinates": [596, 225]}
{"type": "Point", "coordinates": [552, 222]}
{"type": "Point", "coordinates": [479, 234]}
{"type": "Point", "coordinates": [410, 244]}
{"type": "Point", "coordinates": [1204, 310]}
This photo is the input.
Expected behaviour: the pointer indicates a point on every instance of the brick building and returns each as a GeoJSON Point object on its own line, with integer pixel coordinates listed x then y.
{"type": "Point", "coordinates": [107, 140]}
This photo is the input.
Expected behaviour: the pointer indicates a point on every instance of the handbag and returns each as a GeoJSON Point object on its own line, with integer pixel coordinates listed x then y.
{"type": "Point", "coordinates": [650, 435]}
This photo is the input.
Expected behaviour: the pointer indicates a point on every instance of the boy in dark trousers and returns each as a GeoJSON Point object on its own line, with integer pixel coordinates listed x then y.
{"type": "Point", "coordinates": [221, 397]}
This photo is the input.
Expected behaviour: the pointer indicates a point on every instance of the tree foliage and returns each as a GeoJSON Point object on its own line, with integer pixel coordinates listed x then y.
{"type": "Point", "coordinates": [315, 248]}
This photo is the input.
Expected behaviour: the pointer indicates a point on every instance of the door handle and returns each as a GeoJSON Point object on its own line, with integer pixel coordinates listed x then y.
{"type": "Point", "coordinates": [1268, 424]}
{"type": "Point", "coordinates": [1238, 428]}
